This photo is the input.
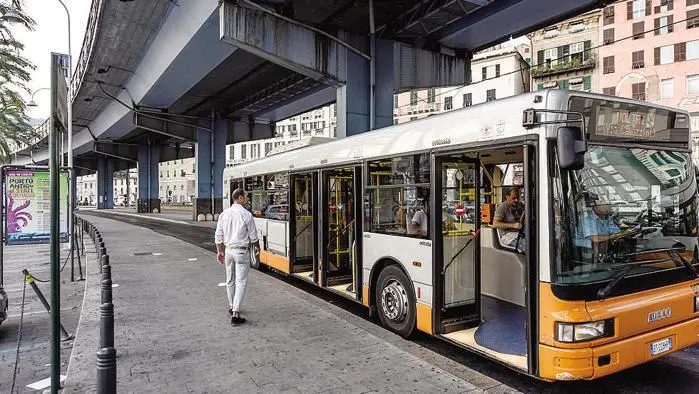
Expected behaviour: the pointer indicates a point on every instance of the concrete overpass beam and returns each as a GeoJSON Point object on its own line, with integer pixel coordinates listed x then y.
{"type": "Point", "coordinates": [105, 183]}
{"type": "Point", "coordinates": [210, 159]}
{"type": "Point", "coordinates": [148, 179]}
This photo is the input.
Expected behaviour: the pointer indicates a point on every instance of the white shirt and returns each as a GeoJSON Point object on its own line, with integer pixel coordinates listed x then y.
{"type": "Point", "coordinates": [420, 218]}
{"type": "Point", "coordinates": [235, 227]}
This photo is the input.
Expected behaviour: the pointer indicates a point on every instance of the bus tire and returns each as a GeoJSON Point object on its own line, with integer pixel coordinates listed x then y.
{"type": "Point", "coordinates": [395, 301]}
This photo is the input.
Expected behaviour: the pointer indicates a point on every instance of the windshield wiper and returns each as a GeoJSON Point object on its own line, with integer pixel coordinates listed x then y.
{"type": "Point", "coordinates": [677, 259]}
{"type": "Point", "coordinates": [604, 292]}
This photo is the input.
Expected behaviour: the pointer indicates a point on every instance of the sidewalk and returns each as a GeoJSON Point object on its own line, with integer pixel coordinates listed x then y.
{"type": "Point", "coordinates": [35, 346]}
{"type": "Point", "coordinates": [173, 334]}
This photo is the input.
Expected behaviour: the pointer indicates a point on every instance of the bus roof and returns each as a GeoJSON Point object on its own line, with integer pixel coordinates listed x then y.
{"type": "Point", "coordinates": [499, 119]}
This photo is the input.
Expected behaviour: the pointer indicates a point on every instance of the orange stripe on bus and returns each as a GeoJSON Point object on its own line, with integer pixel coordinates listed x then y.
{"type": "Point", "coordinates": [279, 263]}
{"type": "Point", "coordinates": [424, 318]}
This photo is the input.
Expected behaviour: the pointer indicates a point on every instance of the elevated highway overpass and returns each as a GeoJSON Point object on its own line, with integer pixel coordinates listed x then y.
{"type": "Point", "coordinates": [160, 80]}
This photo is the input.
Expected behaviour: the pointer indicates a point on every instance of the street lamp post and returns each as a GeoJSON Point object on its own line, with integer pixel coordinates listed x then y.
{"type": "Point", "coordinates": [33, 103]}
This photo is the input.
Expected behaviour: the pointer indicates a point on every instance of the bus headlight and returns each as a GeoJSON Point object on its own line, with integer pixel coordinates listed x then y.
{"type": "Point", "coordinates": [581, 332]}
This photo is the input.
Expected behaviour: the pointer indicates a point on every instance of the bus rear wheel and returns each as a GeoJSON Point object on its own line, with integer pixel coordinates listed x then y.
{"type": "Point", "coordinates": [395, 301]}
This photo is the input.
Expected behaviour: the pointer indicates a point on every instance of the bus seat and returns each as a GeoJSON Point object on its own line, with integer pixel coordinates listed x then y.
{"type": "Point", "coordinates": [503, 273]}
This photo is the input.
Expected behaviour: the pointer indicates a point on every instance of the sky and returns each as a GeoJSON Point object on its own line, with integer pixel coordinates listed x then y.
{"type": "Point", "coordinates": [50, 35]}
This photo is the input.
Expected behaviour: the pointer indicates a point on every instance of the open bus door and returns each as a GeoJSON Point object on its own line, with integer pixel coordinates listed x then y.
{"type": "Point", "coordinates": [486, 299]}
{"type": "Point", "coordinates": [303, 225]}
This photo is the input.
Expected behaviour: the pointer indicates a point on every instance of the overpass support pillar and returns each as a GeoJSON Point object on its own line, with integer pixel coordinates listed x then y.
{"type": "Point", "coordinates": [105, 183]}
{"type": "Point", "coordinates": [210, 157]}
{"type": "Point", "coordinates": [354, 97]}
{"type": "Point", "coordinates": [148, 179]}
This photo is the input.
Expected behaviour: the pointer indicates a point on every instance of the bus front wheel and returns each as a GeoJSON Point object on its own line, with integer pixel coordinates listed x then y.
{"type": "Point", "coordinates": [395, 301]}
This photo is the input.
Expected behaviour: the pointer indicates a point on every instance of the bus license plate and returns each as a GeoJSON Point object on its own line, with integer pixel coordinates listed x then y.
{"type": "Point", "coordinates": [660, 346]}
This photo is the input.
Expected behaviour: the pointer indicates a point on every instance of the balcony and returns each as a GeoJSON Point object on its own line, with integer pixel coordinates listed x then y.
{"type": "Point", "coordinates": [564, 67]}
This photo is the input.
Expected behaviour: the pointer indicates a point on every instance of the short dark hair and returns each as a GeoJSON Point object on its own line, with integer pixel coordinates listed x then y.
{"type": "Point", "coordinates": [237, 193]}
{"type": "Point", "coordinates": [514, 189]}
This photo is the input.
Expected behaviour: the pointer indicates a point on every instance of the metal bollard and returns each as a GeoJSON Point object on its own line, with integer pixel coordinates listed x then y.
{"type": "Point", "coordinates": [107, 324]}
{"type": "Point", "coordinates": [107, 290]}
{"type": "Point", "coordinates": [106, 371]}
{"type": "Point", "coordinates": [105, 268]}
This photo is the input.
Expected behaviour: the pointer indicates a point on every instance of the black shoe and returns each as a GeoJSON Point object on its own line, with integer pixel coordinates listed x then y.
{"type": "Point", "coordinates": [230, 312]}
{"type": "Point", "coordinates": [235, 320]}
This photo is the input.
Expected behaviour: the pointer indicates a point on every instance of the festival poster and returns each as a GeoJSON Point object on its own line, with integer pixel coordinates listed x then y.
{"type": "Point", "coordinates": [28, 207]}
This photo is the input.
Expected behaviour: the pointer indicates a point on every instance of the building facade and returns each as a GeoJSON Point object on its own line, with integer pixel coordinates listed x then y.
{"type": "Point", "coordinates": [320, 122]}
{"type": "Point", "coordinates": [86, 188]}
{"type": "Point", "coordinates": [658, 58]}
{"type": "Point", "coordinates": [497, 72]}
{"type": "Point", "coordinates": [565, 54]}
{"type": "Point", "coordinates": [177, 182]}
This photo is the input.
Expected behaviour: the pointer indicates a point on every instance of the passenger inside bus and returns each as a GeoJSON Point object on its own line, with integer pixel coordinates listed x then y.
{"type": "Point", "coordinates": [508, 220]}
{"type": "Point", "coordinates": [419, 225]}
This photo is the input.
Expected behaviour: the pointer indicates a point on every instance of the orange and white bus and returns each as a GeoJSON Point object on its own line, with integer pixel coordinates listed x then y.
{"type": "Point", "coordinates": [603, 275]}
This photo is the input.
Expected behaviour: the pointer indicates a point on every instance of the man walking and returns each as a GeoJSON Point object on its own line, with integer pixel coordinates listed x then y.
{"type": "Point", "coordinates": [235, 235]}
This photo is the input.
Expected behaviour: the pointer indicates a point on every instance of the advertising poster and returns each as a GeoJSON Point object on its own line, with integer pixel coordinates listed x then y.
{"type": "Point", "coordinates": [28, 207]}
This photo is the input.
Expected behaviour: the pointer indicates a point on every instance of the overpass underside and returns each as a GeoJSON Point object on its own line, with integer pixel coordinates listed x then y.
{"type": "Point", "coordinates": [242, 66]}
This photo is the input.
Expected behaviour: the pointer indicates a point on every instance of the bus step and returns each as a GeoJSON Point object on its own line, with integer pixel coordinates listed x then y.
{"type": "Point", "coordinates": [460, 323]}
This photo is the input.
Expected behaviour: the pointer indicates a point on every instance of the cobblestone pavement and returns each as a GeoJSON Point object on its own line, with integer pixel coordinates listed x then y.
{"type": "Point", "coordinates": [173, 333]}
{"type": "Point", "coordinates": [35, 348]}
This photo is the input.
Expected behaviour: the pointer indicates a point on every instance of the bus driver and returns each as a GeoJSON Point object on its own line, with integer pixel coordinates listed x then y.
{"type": "Point", "coordinates": [508, 221]}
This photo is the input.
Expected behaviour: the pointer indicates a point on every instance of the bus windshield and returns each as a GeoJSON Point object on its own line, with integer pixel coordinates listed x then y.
{"type": "Point", "coordinates": [628, 208]}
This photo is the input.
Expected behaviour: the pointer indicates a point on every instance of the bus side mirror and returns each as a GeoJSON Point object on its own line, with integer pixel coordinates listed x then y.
{"type": "Point", "coordinates": [571, 148]}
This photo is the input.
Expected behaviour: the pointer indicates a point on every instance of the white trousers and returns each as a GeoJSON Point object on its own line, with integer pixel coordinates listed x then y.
{"type": "Point", "coordinates": [237, 263]}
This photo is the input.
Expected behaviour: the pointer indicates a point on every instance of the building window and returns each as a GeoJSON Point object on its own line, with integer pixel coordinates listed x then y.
{"type": "Point", "coordinates": [576, 26]}
{"type": "Point", "coordinates": [448, 103]}
{"type": "Point", "coordinates": [666, 55]}
{"type": "Point", "coordinates": [638, 29]}
{"type": "Point", "coordinates": [609, 91]}
{"type": "Point", "coordinates": [430, 95]}
{"type": "Point", "coordinates": [497, 70]}
{"type": "Point", "coordinates": [637, 60]}
{"type": "Point", "coordinates": [468, 100]}
{"type": "Point", "coordinates": [490, 95]}
{"type": "Point", "coordinates": [395, 101]}
{"type": "Point", "coordinates": [608, 36]}
{"type": "Point", "coordinates": [693, 84]}
{"type": "Point", "coordinates": [413, 98]}
{"type": "Point", "coordinates": [663, 25]}
{"type": "Point", "coordinates": [637, 9]}
{"type": "Point", "coordinates": [667, 89]}
{"type": "Point", "coordinates": [692, 2]}
{"type": "Point", "coordinates": [638, 91]}
{"type": "Point", "coordinates": [692, 48]}
{"type": "Point", "coordinates": [680, 52]}
{"type": "Point", "coordinates": [665, 6]}
{"type": "Point", "coordinates": [243, 152]}
{"type": "Point", "coordinates": [550, 56]}
{"type": "Point", "coordinates": [608, 64]}
{"type": "Point", "coordinates": [609, 15]}
{"type": "Point", "coordinates": [692, 19]}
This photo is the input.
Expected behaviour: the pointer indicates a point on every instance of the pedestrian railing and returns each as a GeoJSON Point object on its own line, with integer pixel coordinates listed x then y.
{"type": "Point", "coordinates": [106, 355]}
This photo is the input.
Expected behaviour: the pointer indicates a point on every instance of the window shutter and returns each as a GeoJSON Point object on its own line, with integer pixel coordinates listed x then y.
{"type": "Point", "coordinates": [587, 83]}
{"type": "Point", "coordinates": [587, 45]}
{"type": "Point", "coordinates": [669, 5]}
{"type": "Point", "coordinates": [649, 7]}
{"type": "Point", "coordinates": [656, 26]}
{"type": "Point", "coordinates": [540, 58]}
{"type": "Point", "coordinates": [629, 10]}
{"type": "Point", "coordinates": [656, 9]}
{"type": "Point", "coordinates": [656, 56]}
{"type": "Point", "coordinates": [540, 86]}
{"type": "Point", "coordinates": [680, 52]}
{"type": "Point", "coordinates": [563, 84]}
{"type": "Point", "coordinates": [670, 26]}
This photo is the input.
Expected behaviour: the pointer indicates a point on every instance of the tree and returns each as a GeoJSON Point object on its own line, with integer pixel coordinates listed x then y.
{"type": "Point", "coordinates": [14, 75]}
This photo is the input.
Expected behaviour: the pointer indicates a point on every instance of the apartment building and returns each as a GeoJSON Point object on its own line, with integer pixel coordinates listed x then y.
{"type": "Point", "coordinates": [497, 72]}
{"type": "Point", "coordinates": [177, 183]}
{"type": "Point", "coordinates": [565, 56]}
{"type": "Point", "coordinates": [320, 122]}
{"type": "Point", "coordinates": [86, 188]}
{"type": "Point", "coordinates": [659, 62]}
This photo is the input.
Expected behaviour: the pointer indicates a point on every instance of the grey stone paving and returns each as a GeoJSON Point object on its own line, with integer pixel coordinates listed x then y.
{"type": "Point", "coordinates": [173, 333]}
{"type": "Point", "coordinates": [34, 354]}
